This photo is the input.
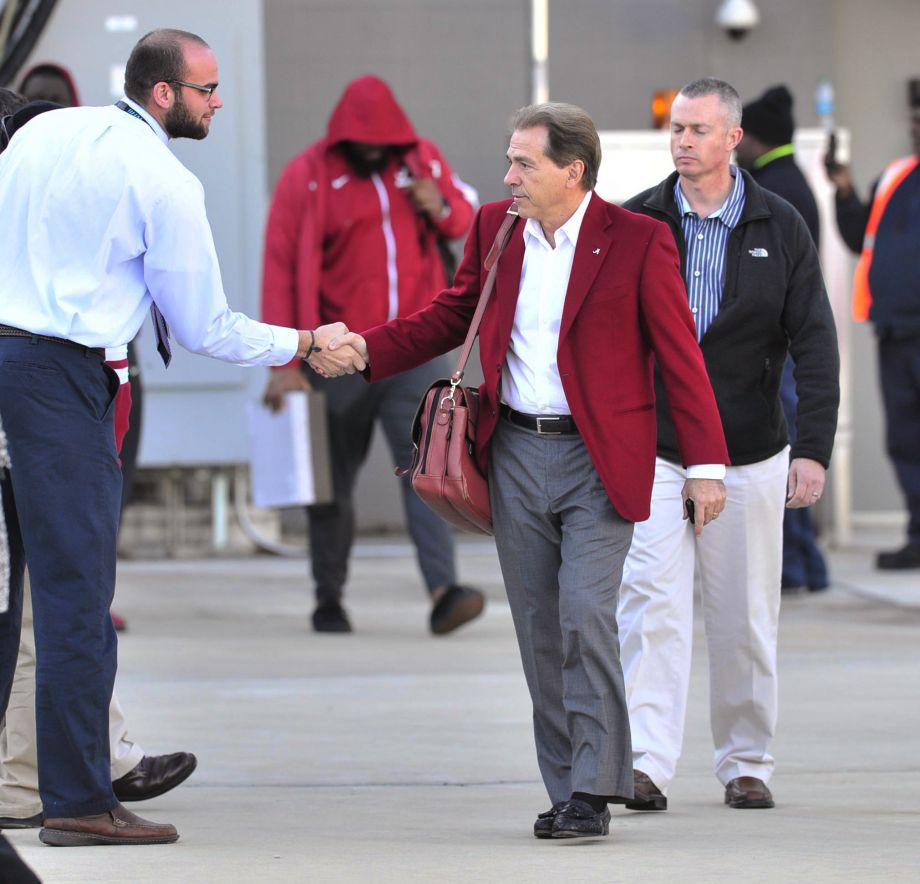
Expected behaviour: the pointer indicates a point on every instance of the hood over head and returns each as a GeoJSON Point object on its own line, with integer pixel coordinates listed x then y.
{"type": "Point", "coordinates": [51, 69]}
{"type": "Point", "coordinates": [368, 112]}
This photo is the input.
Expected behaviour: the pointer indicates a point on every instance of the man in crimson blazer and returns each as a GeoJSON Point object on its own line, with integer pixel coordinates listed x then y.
{"type": "Point", "coordinates": [586, 294]}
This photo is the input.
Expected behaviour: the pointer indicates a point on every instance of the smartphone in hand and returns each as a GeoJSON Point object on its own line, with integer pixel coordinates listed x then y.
{"type": "Point", "coordinates": [830, 158]}
{"type": "Point", "coordinates": [690, 508]}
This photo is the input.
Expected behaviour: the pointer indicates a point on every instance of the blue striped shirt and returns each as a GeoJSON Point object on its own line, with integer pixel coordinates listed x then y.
{"type": "Point", "coordinates": [706, 239]}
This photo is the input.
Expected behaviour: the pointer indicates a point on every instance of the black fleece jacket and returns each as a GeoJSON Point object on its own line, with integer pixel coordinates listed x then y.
{"type": "Point", "coordinates": [773, 300]}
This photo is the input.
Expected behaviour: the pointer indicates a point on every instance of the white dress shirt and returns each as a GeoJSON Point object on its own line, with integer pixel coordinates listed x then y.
{"type": "Point", "coordinates": [530, 375]}
{"type": "Point", "coordinates": [99, 218]}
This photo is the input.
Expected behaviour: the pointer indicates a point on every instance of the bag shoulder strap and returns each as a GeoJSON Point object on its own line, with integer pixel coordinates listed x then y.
{"type": "Point", "coordinates": [490, 264]}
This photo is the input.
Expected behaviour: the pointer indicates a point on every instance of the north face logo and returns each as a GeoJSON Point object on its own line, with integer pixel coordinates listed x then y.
{"type": "Point", "coordinates": [758, 253]}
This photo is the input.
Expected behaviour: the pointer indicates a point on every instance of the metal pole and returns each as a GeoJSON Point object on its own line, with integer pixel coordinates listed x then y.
{"type": "Point", "coordinates": [539, 50]}
{"type": "Point", "coordinates": [220, 510]}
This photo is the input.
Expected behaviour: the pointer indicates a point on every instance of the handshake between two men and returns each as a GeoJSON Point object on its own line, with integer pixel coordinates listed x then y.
{"type": "Point", "coordinates": [330, 350]}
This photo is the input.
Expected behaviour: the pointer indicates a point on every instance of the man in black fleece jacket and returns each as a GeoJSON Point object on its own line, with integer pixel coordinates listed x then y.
{"type": "Point", "coordinates": [756, 291]}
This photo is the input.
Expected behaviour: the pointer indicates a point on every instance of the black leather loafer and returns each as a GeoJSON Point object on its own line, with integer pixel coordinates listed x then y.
{"type": "Point", "coordinates": [647, 795]}
{"type": "Point", "coordinates": [577, 819]}
{"type": "Point", "coordinates": [25, 822]}
{"type": "Point", "coordinates": [543, 827]}
{"type": "Point", "coordinates": [154, 775]}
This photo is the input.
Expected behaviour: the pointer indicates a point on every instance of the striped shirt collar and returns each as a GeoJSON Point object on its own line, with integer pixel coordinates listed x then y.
{"type": "Point", "coordinates": [729, 213]}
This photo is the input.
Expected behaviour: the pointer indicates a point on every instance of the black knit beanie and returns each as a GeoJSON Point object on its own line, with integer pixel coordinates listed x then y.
{"type": "Point", "coordinates": [769, 118]}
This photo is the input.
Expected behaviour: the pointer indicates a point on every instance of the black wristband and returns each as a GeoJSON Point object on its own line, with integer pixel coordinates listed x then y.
{"type": "Point", "coordinates": [312, 348]}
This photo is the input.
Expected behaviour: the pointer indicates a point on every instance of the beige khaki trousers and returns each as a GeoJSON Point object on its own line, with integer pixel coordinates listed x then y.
{"type": "Point", "coordinates": [19, 796]}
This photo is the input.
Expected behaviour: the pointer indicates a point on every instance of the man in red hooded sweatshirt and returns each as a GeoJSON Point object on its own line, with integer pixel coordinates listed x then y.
{"type": "Point", "coordinates": [355, 232]}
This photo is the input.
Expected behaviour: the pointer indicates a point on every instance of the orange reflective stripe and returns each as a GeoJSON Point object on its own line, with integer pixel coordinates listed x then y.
{"type": "Point", "coordinates": [889, 182]}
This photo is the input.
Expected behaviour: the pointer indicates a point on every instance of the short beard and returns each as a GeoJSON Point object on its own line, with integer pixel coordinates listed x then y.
{"type": "Point", "coordinates": [179, 123]}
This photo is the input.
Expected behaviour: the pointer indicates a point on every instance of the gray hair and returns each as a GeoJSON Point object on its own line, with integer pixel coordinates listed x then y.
{"type": "Point", "coordinates": [571, 135]}
{"type": "Point", "coordinates": [728, 96]}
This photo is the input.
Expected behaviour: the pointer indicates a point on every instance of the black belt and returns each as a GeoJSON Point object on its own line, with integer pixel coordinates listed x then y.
{"type": "Point", "coordinates": [9, 331]}
{"type": "Point", "coordinates": [544, 424]}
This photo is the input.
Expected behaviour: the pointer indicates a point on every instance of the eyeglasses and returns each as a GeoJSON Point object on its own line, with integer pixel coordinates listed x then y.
{"type": "Point", "coordinates": [207, 90]}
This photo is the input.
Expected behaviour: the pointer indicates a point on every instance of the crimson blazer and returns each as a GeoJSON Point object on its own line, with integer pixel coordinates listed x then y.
{"type": "Point", "coordinates": [625, 303]}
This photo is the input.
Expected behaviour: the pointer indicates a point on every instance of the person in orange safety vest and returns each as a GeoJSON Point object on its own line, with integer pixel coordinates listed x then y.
{"type": "Point", "coordinates": [885, 233]}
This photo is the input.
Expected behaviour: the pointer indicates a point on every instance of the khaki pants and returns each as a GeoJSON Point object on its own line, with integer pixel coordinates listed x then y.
{"type": "Point", "coordinates": [18, 758]}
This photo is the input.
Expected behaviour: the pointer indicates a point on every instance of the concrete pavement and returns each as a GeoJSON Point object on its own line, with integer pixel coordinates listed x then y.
{"type": "Point", "coordinates": [392, 756]}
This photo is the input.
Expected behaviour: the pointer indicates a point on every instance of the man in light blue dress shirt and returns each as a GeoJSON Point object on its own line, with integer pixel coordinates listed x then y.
{"type": "Point", "coordinates": [102, 222]}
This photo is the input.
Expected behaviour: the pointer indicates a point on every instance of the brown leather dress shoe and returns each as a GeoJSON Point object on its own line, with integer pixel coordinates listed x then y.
{"type": "Point", "coordinates": [116, 826]}
{"type": "Point", "coordinates": [647, 796]}
{"type": "Point", "coordinates": [748, 793]}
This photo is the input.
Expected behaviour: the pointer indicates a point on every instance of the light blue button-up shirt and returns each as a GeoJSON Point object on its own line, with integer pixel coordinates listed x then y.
{"type": "Point", "coordinates": [705, 239]}
{"type": "Point", "coordinates": [99, 217]}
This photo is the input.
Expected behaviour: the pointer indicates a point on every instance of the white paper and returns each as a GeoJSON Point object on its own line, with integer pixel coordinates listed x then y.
{"type": "Point", "coordinates": [281, 468]}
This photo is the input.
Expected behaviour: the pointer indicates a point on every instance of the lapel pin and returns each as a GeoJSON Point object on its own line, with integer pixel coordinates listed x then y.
{"type": "Point", "coordinates": [597, 251]}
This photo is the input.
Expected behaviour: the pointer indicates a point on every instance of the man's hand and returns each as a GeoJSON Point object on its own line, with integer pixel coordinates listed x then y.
{"type": "Point", "coordinates": [328, 364]}
{"type": "Point", "coordinates": [840, 177]}
{"type": "Point", "coordinates": [806, 483]}
{"type": "Point", "coordinates": [344, 360]}
{"type": "Point", "coordinates": [354, 341]}
{"type": "Point", "coordinates": [340, 353]}
{"type": "Point", "coordinates": [326, 333]}
{"type": "Point", "coordinates": [345, 354]}
{"type": "Point", "coordinates": [708, 496]}
{"type": "Point", "coordinates": [282, 381]}
{"type": "Point", "coordinates": [318, 338]}
{"type": "Point", "coordinates": [426, 197]}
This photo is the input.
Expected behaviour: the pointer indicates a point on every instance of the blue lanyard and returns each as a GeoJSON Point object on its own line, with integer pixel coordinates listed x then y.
{"type": "Point", "coordinates": [121, 105]}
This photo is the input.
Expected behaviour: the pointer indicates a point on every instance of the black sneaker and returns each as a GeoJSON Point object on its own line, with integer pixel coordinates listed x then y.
{"type": "Point", "coordinates": [647, 796]}
{"type": "Point", "coordinates": [330, 617]}
{"type": "Point", "coordinates": [457, 606]}
{"type": "Point", "coordinates": [543, 826]}
{"type": "Point", "coordinates": [899, 559]}
{"type": "Point", "coordinates": [577, 819]}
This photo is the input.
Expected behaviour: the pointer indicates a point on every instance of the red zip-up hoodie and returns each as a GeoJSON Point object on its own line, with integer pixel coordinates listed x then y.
{"type": "Point", "coordinates": [341, 247]}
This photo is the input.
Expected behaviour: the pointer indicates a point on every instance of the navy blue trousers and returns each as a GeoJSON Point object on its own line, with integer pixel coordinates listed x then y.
{"type": "Point", "coordinates": [899, 374]}
{"type": "Point", "coordinates": [61, 501]}
{"type": "Point", "coordinates": [803, 561]}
